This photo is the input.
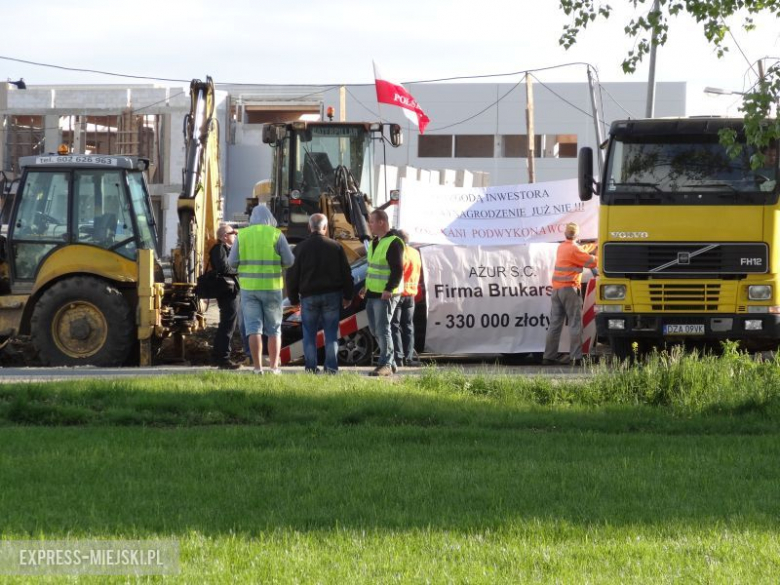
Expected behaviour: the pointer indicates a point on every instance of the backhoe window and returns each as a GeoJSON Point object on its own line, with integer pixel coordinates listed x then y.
{"type": "Point", "coordinates": [139, 198]}
{"type": "Point", "coordinates": [103, 212]}
{"type": "Point", "coordinates": [316, 161]}
{"type": "Point", "coordinates": [41, 222]}
{"type": "Point", "coordinates": [43, 214]}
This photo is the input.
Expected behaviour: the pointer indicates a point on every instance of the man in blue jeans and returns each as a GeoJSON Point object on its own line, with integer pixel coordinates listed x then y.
{"type": "Point", "coordinates": [384, 285]}
{"type": "Point", "coordinates": [321, 278]}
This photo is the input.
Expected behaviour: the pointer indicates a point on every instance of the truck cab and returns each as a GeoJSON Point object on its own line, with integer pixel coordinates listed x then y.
{"type": "Point", "coordinates": [688, 235]}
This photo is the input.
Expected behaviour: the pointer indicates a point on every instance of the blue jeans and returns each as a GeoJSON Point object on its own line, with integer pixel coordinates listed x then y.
{"type": "Point", "coordinates": [403, 330]}
{"type": "Point", "coordinates": [380, 313]}
{"type": "Point", "coordinates": [324, 310]}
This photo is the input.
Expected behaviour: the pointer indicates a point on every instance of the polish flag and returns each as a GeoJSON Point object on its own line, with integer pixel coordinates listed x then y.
{"type": "Point", "coordinates": [394, 94]}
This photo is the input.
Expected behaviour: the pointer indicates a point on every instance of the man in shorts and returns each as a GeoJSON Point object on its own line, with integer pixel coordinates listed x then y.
{"type": "Point", "coordinates": [260, 253]}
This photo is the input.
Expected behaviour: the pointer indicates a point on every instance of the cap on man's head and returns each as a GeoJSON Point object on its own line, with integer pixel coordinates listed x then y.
{"type": "Point", "coordinates": [572, 231]}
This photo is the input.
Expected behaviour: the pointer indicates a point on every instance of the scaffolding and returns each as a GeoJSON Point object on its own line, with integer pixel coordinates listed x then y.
{"type": "Point", "coordinates": [123, 134]}
{"type": "Point", "coordinates": [25, 136]}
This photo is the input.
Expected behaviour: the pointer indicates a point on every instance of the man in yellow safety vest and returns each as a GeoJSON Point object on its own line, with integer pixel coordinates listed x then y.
{"type": "Point", "coordinates": [384, 285]}
{"type": "Point", "coordinates": [260, 253]}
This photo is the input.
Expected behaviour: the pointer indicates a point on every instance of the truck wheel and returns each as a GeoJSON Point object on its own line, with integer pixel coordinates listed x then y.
{"type": "Point", "coordinates": [356, 349]}
{"type": "Point", "coordinates": [83, 321]}
{"type": "Point", "coordinates": [621, 348]}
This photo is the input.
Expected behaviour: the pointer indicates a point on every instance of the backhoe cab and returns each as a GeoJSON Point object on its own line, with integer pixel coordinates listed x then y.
{"type": "Point", "coordinates": [326, 167]}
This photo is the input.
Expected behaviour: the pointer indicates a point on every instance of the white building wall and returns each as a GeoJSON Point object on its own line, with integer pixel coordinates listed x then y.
{"type": "Point", "coordinates": [449, 105]}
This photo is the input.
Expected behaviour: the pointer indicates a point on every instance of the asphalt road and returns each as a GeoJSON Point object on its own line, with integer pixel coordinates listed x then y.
{"type": "Point", "coordinates": [472, 366]}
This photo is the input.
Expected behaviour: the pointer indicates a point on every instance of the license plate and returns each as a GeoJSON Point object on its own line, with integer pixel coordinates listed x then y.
{"type": "Point", "coordinates": [684, 329]}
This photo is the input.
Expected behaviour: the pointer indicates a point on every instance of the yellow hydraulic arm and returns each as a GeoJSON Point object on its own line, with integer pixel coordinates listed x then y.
{"type": "Point", "coordinates": [199, 200]}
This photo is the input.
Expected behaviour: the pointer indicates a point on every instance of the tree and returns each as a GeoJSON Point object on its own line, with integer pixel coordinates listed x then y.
{"type": "Point", "coordinates": [760, 128]}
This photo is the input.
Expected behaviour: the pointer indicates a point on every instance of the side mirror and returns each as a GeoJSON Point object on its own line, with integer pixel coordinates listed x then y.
{"type": "Point", "coordinates": [587, 185]}
{"type": "Point", "coordinates": [396, 136]}
{"type": "Point", "coordinates": [273, 133]}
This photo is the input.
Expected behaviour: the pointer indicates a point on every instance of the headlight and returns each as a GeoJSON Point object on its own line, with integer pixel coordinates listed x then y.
{"type": "Point", "coordinates": [760, 292]}
{"type": "Point", "coordinates": [613, 292]}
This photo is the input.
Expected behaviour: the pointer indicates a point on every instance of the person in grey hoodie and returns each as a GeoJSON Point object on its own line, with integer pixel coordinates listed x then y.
{"type": "Point", "coordinates": [260, 253]}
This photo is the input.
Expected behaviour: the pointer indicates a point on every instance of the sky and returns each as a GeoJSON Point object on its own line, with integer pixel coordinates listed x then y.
{"type": "Point", "coordinates": [334, 42]}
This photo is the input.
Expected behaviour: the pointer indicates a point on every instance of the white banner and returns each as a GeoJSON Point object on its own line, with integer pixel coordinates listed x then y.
{"type": "Point", "coordinates": [488, 300]}
{"type": "Point", "coordinates": [494, 216]}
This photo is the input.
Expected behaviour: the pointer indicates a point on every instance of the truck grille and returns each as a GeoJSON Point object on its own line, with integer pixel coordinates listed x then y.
{"type": "Point", "coordinates": [674, 296]}
{"type": "Point", "coordinates": [683, 259]}
{"type": "Point", "coordinates": [684, 297]}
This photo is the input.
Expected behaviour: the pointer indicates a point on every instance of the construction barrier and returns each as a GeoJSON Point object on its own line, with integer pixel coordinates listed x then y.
{"type": "Point", "coordinates": [348, 326]}
{"type": "Point", "coordinates": [589, 317]}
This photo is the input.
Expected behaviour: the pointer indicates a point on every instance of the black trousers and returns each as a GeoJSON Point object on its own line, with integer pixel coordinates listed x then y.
{"type": "Point", "coordinates": [228, 316]}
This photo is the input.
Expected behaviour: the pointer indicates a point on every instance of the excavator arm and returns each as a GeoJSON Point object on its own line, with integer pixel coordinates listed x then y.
{"type": "Point", "coordinates": [199, 201]}
{"type": "Point", "coordinates": [198, 209]}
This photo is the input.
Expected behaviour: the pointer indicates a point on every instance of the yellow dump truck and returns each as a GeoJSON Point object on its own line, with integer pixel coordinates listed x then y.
{"type": "Point", "coordinates": [689, 237]}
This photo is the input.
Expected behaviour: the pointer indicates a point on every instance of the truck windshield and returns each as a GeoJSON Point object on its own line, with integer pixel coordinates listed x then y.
{"type": "Point", "coordinates": [687, 170]}
{"type": "Point", "coordinates": [316, 160]}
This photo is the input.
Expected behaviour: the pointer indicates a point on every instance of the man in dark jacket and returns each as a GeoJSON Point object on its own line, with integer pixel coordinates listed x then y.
{"type": "Point", "coordinates": [227, 298]}
{"type": "Point", "coordinates": [322, 280]}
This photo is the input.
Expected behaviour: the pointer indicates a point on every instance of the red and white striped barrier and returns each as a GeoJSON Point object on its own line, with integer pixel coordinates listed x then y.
{"type": "Point", "coordinates": [589, 317]}
{"type": "Point", "coordinates": [347, 326]}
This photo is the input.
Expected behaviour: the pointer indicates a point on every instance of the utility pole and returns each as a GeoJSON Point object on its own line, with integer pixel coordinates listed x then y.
{"type": "Point", "coordinates": [650, 109]}
{"type": "Point", "coordinates": [596, 119]}
{"type": "Point", "coordinates": [529, 120]}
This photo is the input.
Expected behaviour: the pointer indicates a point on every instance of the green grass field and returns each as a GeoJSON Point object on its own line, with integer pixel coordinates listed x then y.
{"type": "Point", "coordinates": [631, 476]}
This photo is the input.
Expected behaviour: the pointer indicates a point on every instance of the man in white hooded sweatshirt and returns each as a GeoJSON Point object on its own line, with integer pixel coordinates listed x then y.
{"type": "Point", "coordinates": [260, 253]}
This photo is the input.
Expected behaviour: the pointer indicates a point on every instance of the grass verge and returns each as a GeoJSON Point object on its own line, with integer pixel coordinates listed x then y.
{"type": "Point", "coordinates": [669, 392]}
{"type": "Point", "coordinates": [631, 475]}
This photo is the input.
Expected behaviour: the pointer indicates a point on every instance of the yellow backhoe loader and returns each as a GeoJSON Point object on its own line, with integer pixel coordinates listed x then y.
{"type": "Point", "coordinates": [79, 266]}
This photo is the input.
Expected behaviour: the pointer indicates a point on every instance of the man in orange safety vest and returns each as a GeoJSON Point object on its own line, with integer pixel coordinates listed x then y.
{"type": "Point", "coordinates": [570, 260]}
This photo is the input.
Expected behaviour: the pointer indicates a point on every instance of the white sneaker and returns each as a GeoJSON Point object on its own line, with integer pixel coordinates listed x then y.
{"type": "Point", "coordinates": [276, 371]}
{"type": "Point", "coordinates": [258, 372]}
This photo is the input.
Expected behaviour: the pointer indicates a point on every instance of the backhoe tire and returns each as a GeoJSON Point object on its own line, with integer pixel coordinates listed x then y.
{"type": "Point", "coordinates": [83, 321]}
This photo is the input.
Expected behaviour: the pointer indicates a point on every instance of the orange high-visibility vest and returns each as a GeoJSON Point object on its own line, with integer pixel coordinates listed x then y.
{"type": "Point", "coordinates": [569, 262]}
{"type": "Point", "coordinates": [412, 267]}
